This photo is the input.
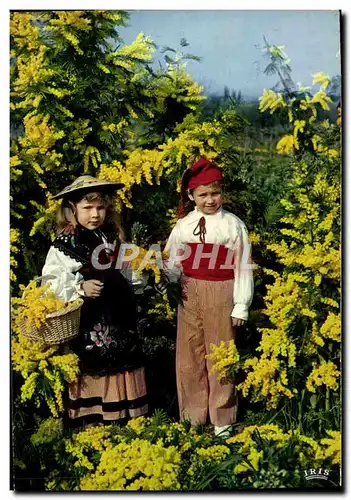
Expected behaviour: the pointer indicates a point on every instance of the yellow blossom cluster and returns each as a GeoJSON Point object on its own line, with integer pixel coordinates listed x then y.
{"type": "Point", "coordinates": [72, 18]}
{"type": "Point", "coordinates": [173, 433]}
{"type": "Point", "coordinates": [252, 461]}
{"type": "Point", "coordinates": [128, 56]}
{"type": "Point", "coordinates": [197, 140]}
{"type": "Point", "coordinates": [90, 439]}
{"type": "Point", "coordinates": [24, 30]}
{"type": "Point", "coordinates": [324, 374]}
{"type": "Point", "coordinates": [139, 164]}
{"type": "Point", "coordinates": [39, 136]}
{"type": "Point", "coordinates": [137, 424]}
{"type": "Point", "coordinates": [68, 25]}
{"type": "Point", "coordinates": [331, 328]}
{"type": "Point", "coordinates": [145, 260]}
{"type": "Point", "coordinates": [339, 118]}
{"type": "Point", "coordinates": [29, 386]}
{"type": "Point", "coordinates": [321, 98]}
{"type": "Point", "coordinates": [112, 15]}
{"type": "Point", "coordinates": [67, 364]}
{"type": "Point", "coordinates": [332, 446]}
{"type": "Point", "coordinates": [136, 466]}
{"type": "Point", "coordinates": [322, 79]}
{"type": "Point", "coordinates": [115, 127]}
{"type": "Point", "coordinates": [299, 126]}
{"type": "Point", "coordinates": [14, 248]}
{"type": "Point", "coordinates": [178, 84]}
{"type": "Point", "coordinates": [203, 457]}
{"type": "Point", "coordinates": [186, 440]}
{"type": "Point", "coordinates": [286, 144]}
{"type": "Point", "coordinates": [310, 253]}
{"type": "Point", "coordinates": [162, 308]}
{"type": "Point", "coordinates": [172, 217]}
{"type": "Point", "coordinates": [46, 216]}
{"type": "Point", "coordinates": [34, 305]}
{"type": "Point", "coordinates": [44, 371]}
{"type": "Point", "coordinates": [267, 378]}
{"type": "Point", "coordinates": [15, 173]}
{"type": "Point", "coordinates": [215, 453]}
{"type": "Point", "coordinates": [48, 431]}
{"type": "Point", "coordinates": [255, 238]}
{"type": "Point", "coordinates": [271, 100]}
{"type": "Point", "coordinates": [301, 113]}
{"type": "Point", "coordinates": [91, 154]}
{"type": "Point", "coordinates": [152, 164]}
{"type": "Point", "coordinates": [285, 298]}
{"type": "Point", "coordinates": [223, 356]}
{"type": "Point", "coordinates": [317, 230]}
{"type": "Point", "coordinates": [307, 448]}
{"type": "Point", "coordinates": [318, 259]}
{"type": "Point", "coordinates": [33, 67]}
{"type": "Point", "coordinates": [27, 354]}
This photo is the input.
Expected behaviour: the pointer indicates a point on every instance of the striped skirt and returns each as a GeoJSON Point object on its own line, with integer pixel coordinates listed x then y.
{"type": "Point", "coordinates": [108, 398]}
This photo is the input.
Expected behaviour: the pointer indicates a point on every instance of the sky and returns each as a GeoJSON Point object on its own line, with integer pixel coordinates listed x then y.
{"type": "Point", "coordinates": [230, 43]}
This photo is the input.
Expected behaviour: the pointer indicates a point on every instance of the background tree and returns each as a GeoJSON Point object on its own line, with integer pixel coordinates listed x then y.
{"type": "Point", "coordinates": [80, 99]}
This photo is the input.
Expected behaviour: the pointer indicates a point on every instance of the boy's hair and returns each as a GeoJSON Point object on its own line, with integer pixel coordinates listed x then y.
{"type": "Point", "coordinates": [186, 205]}
{"type": "Point", "coordinates": [65, 213]}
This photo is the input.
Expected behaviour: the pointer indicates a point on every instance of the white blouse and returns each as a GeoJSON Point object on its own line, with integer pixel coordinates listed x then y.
{"type": "Point", "coordinates": [63, 273]}
{"type": "Point", "coordinates": [222, 228]}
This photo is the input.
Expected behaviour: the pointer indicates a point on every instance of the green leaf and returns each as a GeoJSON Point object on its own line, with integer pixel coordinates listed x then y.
{"type": "Point", "coordinates": [313, 400]}
{"type": "Point", "coordinates": [169, 60]}
{"type": "Point", "coordinates": [166, 48]}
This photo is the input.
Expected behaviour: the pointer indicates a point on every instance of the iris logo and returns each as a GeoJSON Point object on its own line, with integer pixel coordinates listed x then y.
{"type": "Point", "coordinates": [316, 474]}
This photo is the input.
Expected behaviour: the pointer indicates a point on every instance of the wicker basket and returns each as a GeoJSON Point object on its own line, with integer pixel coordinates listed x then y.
{"type": "Point", "coordinates": [59, 326]}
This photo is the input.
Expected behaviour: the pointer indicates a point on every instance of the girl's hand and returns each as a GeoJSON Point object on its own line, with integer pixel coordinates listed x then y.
{"type": "Point", "coordinates": [237, 321]}
{"type": "Point", "coordinates": [92, 288]}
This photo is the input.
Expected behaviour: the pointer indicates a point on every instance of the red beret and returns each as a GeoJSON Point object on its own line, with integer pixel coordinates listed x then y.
{"type": "Point", "coordinates": [201, 173]}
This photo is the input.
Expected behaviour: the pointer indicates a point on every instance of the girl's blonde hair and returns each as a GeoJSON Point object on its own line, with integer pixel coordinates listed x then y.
{"type": "Point", "coordinates": [66, 211]}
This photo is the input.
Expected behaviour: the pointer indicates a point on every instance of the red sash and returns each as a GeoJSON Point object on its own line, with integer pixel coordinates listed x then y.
{"type": "Point", "coordinates": [201, 266]}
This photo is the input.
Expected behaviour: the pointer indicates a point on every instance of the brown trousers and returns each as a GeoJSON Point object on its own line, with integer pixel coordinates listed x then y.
{"type": "Point", "coordinates": [204, 319]}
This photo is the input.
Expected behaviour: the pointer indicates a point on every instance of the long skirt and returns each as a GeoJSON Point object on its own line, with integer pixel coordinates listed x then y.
{"type": "Point", "coordinates": [107, 398]}
{"type": "Point", "coordinates": [204, 318]}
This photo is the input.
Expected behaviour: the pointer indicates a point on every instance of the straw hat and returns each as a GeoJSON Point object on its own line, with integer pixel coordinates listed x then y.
{"type": "Point", "coordinates": [87, 182]}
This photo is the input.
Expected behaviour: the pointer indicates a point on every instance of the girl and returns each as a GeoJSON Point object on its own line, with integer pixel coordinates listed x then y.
{"type": "Point", "coordinates": [203, 246]}
{"type": "Point", "coordinates": [112, 383]}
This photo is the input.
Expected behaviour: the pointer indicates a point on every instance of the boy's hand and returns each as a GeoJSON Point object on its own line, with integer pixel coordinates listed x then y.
{"type": "Point", "coordinates": [161, 286]}
{"type": "Point", "coordinates": [92, 288]}
{"type": "Point", "coordinates": [237, 321]}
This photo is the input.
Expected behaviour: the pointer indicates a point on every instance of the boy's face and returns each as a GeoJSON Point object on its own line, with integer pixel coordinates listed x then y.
{"type": "Point", "coordinates": [207, 198]}
{"type": "Point", "coordinates": [90, 214]}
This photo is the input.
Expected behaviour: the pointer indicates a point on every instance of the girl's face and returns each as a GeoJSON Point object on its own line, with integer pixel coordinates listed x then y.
{"type": "Point", "coordinates": [207, 198]}
{"type": "Point", "coordinates": [90, 214]}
